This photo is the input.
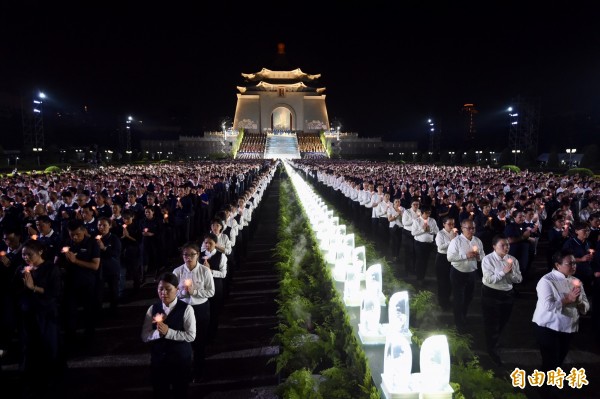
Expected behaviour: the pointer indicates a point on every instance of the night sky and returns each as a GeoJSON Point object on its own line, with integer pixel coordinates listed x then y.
{"type": "Point", "coordinates": [386, 68]}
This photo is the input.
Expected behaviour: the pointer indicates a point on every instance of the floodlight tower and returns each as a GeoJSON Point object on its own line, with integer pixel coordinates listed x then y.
{"type": "Point", "coordinates": [524, 119]}
{"type": "Point", "coordinates": [434, 136]}
{"type": "Point", "coordinates": [33, 123]}
{"type": "Point", "coordinates": [469, 111]}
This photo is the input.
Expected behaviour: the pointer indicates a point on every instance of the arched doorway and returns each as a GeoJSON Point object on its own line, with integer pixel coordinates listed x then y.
{"type": "Point", "coordinates": [282, 119]}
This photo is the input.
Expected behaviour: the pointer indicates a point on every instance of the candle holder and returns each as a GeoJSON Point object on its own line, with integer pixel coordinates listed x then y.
{"type": "Point", "coordinates": [370, 330]}
{"type": "Point", "coordinates": [374, 282]}
{"type": "Point", "coordinates": [397, 366]}
{"type": "Point", "coordinates": [398, 315]}
{"type": "Point", "coordinates": [435, 368]}
{"type": "Point", "coordinates": [359, 258]}
{"type": "Point", "coordinates": [352, 291]}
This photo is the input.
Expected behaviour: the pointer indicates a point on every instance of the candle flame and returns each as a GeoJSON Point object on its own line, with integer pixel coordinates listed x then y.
{"type": "Point", "coordinates": [145, 230]}
{"type": "Point", "coordinates": [34, 237]}
{"type": "Point", "coordinates": [98, 237]}
{"type": "Point", "coordinates": [188, 282]}
{"type": "Point", "coordinates": [27, 269]}
{"type": "Point", "coordinates": [576, 282]}
{"type": "Point", "coordinates": [2, 253]}
{"type": "Point", "coordinates": [158, 318]}
{"type": "Point", "coordinates": [509, 261]}
{"type": "Point", "coordinates": [475, 249]}
{"type": "Point", "coordinates": [64, 250]}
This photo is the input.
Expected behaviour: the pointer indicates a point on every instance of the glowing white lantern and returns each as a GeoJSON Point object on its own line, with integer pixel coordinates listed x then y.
{"type": "Point", "coordinates": [374, 282]}
{"type": "Point", "coordinates": [369, 327]}
{"type": "Point", "coordinates": [435, 368]}
{"type": "Point", "coordinates": [359, 258]}
{"type": "Point", "coordinates": [399, 315]}
{"type": "Point", "coordinates": [397, 366]}
{"type": "Point", "coordinates": [352, 292]}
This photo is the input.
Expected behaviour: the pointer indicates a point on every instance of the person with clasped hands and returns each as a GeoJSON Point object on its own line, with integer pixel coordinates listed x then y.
{"type": "Point", "coordinates": [464, 251]}
{"type": "Point", "coordinates": [561, 299]}
{"type": "Point", "coordinates": [170, 327]}
{"type": "Point", "coordinates": [196, 286]}
{"type": "Point", "coordinates": [500, 271]}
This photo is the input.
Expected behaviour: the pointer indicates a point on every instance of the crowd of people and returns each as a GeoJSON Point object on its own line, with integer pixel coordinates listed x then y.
{"type": "Point", "coordinates": [75, 240]}
{"type": "Point", "coordinates": [252, 144]}
{"type": "Point", "coordinates": [481, 223]}
{"type": "Point", "coordinates": [309, 144]}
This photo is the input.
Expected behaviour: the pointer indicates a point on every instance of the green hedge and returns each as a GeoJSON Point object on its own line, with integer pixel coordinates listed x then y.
{"type": "Point", "coordinates": [512, 168]}
{"type": "Point", "coordinates": [320, 357]}
{"type": "Point", "coordinates": [468, 378]}
{"type": "Point", "coordinates": [52, 169]}
{"type": "Point", "coordinates": [580, 171]}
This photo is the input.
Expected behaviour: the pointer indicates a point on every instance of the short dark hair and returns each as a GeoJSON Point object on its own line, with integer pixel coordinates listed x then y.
{"type": "Point", "coordinates": [211, 236]}
{"type": "Point", "coordinates": [170, 278]}
{"type": "Point", "coordinates": [75, 224]}
{"type": "Point", "coordinates": [497, 238]}
{"type": "Point", "coordinates": [43, 219]}
{"type": "Point", "coordinates": [559, 256]}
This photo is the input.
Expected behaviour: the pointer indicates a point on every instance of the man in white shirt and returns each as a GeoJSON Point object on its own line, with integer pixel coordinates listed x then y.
{"type": "Point", "coordinates": [464, 252]}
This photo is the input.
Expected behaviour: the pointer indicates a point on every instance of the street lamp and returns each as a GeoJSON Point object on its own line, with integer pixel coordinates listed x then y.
{"type": "Point", "coordinates": [571, 151]}
{"type": "Point", "coordinates": [451, 153]}
{"type": "Point", "coordinates": [37, 151]}
{"type": "Point", "coordinates": [478, 154]}
{"type": "Point", "coordinates": [414, 154]}
{"type": "Point", "coordinates": [516, 152]}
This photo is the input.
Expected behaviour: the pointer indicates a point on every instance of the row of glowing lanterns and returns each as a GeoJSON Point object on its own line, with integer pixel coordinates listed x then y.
{"type": "Point", "coordinates": [349, 266]}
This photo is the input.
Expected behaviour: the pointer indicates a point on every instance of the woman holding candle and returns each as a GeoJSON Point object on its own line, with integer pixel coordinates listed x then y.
{"type": "Point", "coordinates": [170, 327]}
{"type": "Point", "coordinates": [500, 271]}
{"type": "Point", "coordinates": [150, 246]}
{"type": "Point", "coordinates": [561, 299]}
{"type": "Point", "coordinates": [408, 242]}
{"type": "Point", "coordinates": [580, 247]}
{"type": "Point", "coordinates": [195, 288]}
{"type": "Point", "coordinates": [519, 236]}
{"type": "Point", "coordinates": [217, 263]}
{"type": "Point", "coordinates": [110, 261]}
{"type": "Point", "coordinates": [38, 298]}
{"type": "Point", "coordinates": [442, 265]}
{"type": "Point", "coordinates": [423, 229]}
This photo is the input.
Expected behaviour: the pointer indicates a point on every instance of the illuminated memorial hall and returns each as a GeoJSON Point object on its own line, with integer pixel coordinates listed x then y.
{"type": "Point", "coordinates": [318, 263]}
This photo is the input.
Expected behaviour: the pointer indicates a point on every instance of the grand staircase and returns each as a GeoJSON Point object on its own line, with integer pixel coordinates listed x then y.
{"type": "Point", "coordinates": [282, 146]}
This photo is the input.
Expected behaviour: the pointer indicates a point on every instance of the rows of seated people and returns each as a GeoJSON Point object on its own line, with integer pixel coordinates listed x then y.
{"type": "Point", "coordinates": [310, 143]}
{"type": "Point", "coordinates": [253, 143]}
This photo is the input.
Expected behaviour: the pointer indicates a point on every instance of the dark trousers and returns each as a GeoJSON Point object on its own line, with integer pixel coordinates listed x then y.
{"type": "Point", "coordinates": [554, 346]}
{"type": "Point", "coordinates": [113, 281]}
{"type": "Point", "coordinates": [202, 314]}
{"type": "Point", "coordinates": [408, 244]}
{"type": "Point", "coordinates": [396, 241]}
{"type": "Point", "coordinates": [442, 273]}
{"type": "Point", "coordinates": [82, 294]}
{"type": "Point", "coordinates": [496, 307]}
{"type": "Point", "coordinates": [171, 380]}
{"type": "Point", "coordinates": [423, 251]}
{"type": "Point", "coordinates": [463, 285]}
{"type": "Point", "coordinates": [216, 303]}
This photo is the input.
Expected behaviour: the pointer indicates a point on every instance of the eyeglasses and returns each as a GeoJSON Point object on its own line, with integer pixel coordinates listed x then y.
{"type": "Point", "coordinates": [186, 255]}
{"type": "Point", "coordinates": [569, 264]}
